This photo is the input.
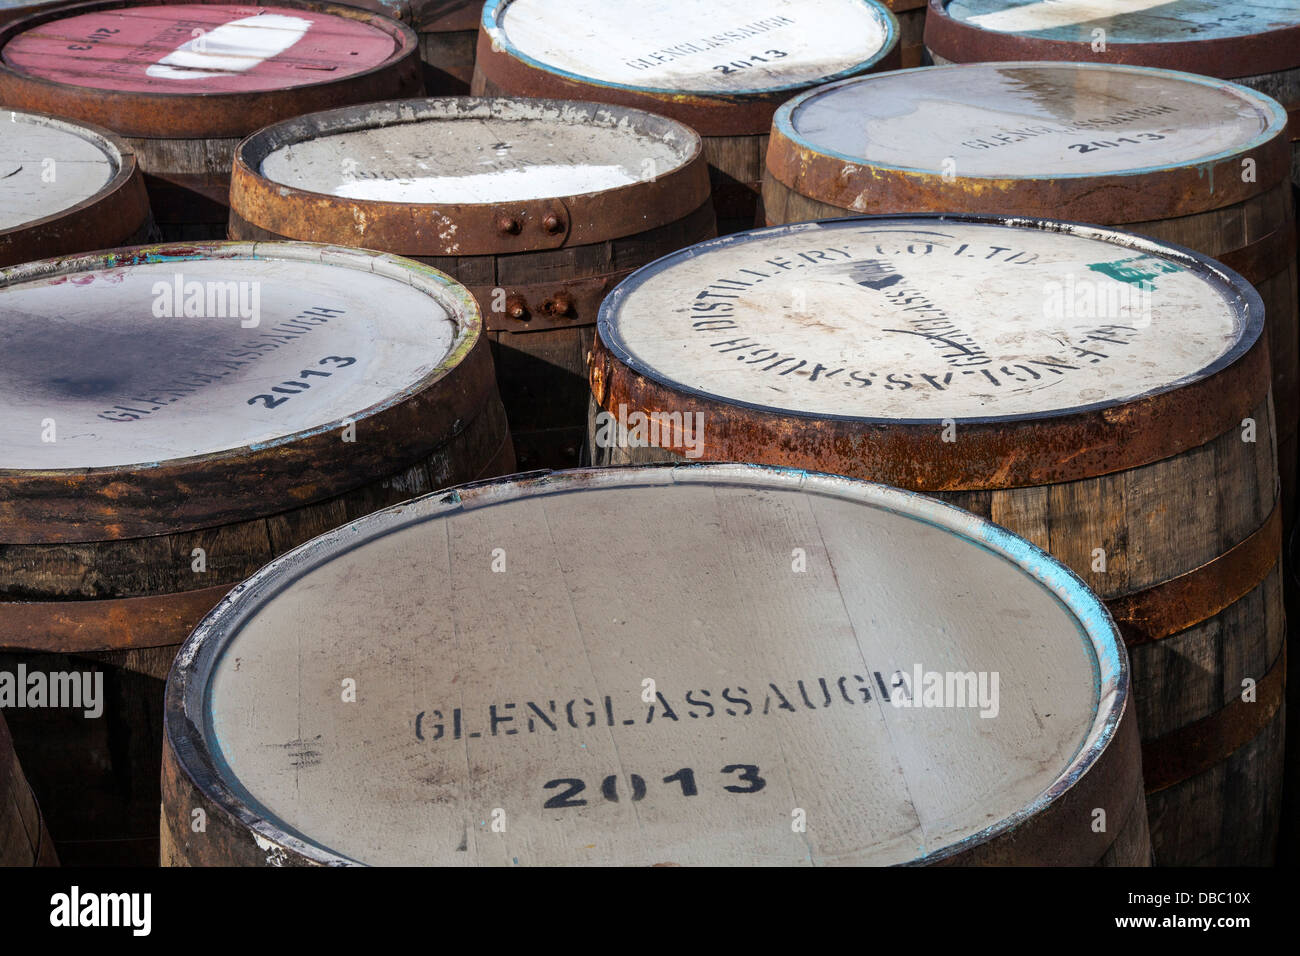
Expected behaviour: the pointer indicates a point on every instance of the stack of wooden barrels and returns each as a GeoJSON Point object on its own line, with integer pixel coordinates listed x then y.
{"type": "Point", "coordinates": [984, 315]}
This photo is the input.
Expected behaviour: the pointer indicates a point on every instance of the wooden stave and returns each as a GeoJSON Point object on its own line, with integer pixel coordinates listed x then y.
{"type": "Point", "coordinates": [235, 836]}
{"type": "Point", "coordinates": [910, 15]}
{"type": "Point", "coordinates": [24, 840]}
{"type": "Point", "coordinates": [187, 165]}
{"type": "Point", "coordinates": [526, 356]}
{"type": "Point", "coordinates": [734, 128]}
{"type": "Point", "coordinates": [448, 42]}
{"type": "Point", "coordinates": [117, 215]}
{"type": "Point", "coordinates": [1260, 222]}
{"type": "Point", "coordinates": [1017, 509]}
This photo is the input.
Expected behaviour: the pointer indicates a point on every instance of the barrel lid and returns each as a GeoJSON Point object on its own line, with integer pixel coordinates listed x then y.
{"type": "Point", "coordinates": [183, 370]}
{"type": "Point", "coordinates": [1254, 38]}
{"type": "Point", "coordinates": [1062, 138]}
{"type": "Point", "coordinates": [438, 176]}
{"type": "Point", "coordinates": [640, 685]}
{"type": "Point", "coordinates": [198, 48]}
{"type": "Point", "coordinates": [48, 166]}
{"type": "Point", "coordinates": [838, 337]}
{"type": "Point", "coordinates": [683, 51]}
{"type": "Point", "coordinates": [144, 63]}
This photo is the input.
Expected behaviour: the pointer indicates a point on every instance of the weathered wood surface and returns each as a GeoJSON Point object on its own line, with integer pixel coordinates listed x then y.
{"type": "Point", "coordinates": [767, 746]}
{"type": "Point", "coordinates": [448, 31]}
{"type": "Point", "coordinates": [93, 580]}
{"type": "Point", "coordinates": [1165, 510]}
{"type": "Point", "coordinates": [1183, 159]}
{"type": "Point", "coordinates": [435, 179]}
{"type": "Point", "coordinates": [23, 837]}
{"type": "Point", "coordinates": [722, 68]}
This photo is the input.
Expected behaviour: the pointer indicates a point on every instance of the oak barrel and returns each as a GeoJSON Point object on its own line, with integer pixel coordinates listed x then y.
{"type": "Point", "coordinates": [1103, 395]}
{"type": "Point", "coordinates": [540, 207]}
{"type": "Point", "coordinates": [672, 665]}
{"type": "Point", "coordinates": [1255, 44]}
{"type": "Point", "coordinates": [721, 68]}
{"type": "Point", "coordinates": [176, 417]}
{"type": "Point", "coordinates": [23, 838]}
{"type": "Point", "coordinates": [911, 30]}
{"type": "Point", "coordinates": [448, 31]}
{"type": "Point", "coordinates": [183, 83]}
{"type": "Point", "coordinates": [1186, 159]}
{"type": "Point", "coordinates": [66, 188]}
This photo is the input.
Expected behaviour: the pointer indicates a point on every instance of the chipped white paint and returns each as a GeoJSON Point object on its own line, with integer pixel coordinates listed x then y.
{"type": "Point", "coordinates": [1005, 120]}
{"type": "Point", "coordinates": [1127, 21]}
{"type": "Point", "coordinates": [125, 385]}
{"type": "Point", "coordinates": [504, 150]}
{"type": "Point", "coordinates": [721, 46]}
{"type": "Point", "coordinates": [602, 593]}
{"type": "Point", "coordinates": [231, 48]}
{"type": "Point", "coordinates": [48, 166]}
{"type": "Point", "coordinates": [920, 320]}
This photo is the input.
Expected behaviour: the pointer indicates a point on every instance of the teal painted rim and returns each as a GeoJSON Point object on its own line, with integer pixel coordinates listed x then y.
{"type": "Point", "coordinates": [784, 119]}
{"type": "Point", "coordinates": [494, 10]}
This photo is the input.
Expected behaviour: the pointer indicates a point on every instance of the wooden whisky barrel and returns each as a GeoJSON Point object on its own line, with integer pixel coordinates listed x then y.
{"type": "Point", "coordinates": [448, 31]}
{"type": "Point", "coordinates": [23, 838]}
{"type": "Point", "coordinates": [1160, 153]}
{"type": "Point", "coordinates": [1255, 44]}
{"type": "Point", "coordinates": [652, 692]}
{"type": "Point", "coordinates": [721, 68]}
{"type": "Point", "coordinates": [152, 462]}
{"type": "Point", "coordinates": [911, 30]}
{"type": "Point", "coordinates": [539, 207]}
{"type": "Point", "coordinates": [66, 188]}
{"type": "Point", "coordinates": [16, 9]}
{"type": "Point", "coordinates": [183, 83]}
{"type": "Point", "coordinates": [1103, 395]}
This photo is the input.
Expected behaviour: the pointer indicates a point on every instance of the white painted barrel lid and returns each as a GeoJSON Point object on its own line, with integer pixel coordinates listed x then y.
{"type": "Point", "coordinates": [190, 352]}
{"type": "Point", "coordinates": [927, 318]}
{"type": "Point", "coordinates": [1126, 21]}
{"type": "Point", "coordinates": [522, 700]}
{"type": "Point", "coordinates": [1044, 120]}
{"type": "Point", "coordinates": [48, 166]}
{"type": "Point", "coordinates": [725, 46]}
{"type": "Point", "coordinates": [478, 151]}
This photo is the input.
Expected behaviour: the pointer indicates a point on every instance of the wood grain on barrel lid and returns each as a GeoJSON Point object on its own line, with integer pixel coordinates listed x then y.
{"type": "Point", "coordinates": [1008, 120]}
{"type": "Point", "coordinates": [727, 46]}
{"type": "Point", "coordinates": [199, 48]}
{"type": "Point", "coordinates": [166, 360]}
{"type": "Point", "coordinates": [47, 166]}
{"type": "Point", "coordinates": [1127, 21]}
{"type": "Point", "coordinates": [923, 319]}
{"type": "Point", "coordinates": [477, 152]}
{"type": "Point", "coordinates": [520, 698]}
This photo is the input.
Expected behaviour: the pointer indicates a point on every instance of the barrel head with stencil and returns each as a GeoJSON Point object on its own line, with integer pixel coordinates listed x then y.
{"type": "Point", "coordinates": [722, 68]}
{"type": "Point", "coordinates": [1103, 395]}
{"type": "Point", "coordinates": [657, 692]}
{"type": "Point", "coordinates": [175, 417]}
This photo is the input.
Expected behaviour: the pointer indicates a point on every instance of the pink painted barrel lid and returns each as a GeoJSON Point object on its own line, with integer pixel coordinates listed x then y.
{"type": "Point", "coordinates": [199, 48]}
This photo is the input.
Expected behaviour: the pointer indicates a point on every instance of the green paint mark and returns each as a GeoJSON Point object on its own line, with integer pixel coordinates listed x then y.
{"type": "Point", "coordinates": [1140, 271]}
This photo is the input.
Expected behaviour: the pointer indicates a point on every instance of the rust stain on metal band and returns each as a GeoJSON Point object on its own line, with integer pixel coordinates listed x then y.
{"type": "Point", "coordinates": [109, 624]}
{"type": "Point", "coordinates": [990, 456]}
{"type": "Point", "coordinates": [1175, 605]}
{"type": "Point", "coordinates": [538, 307]}
{"type": "Point", "coordinates": [1182, 754]}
